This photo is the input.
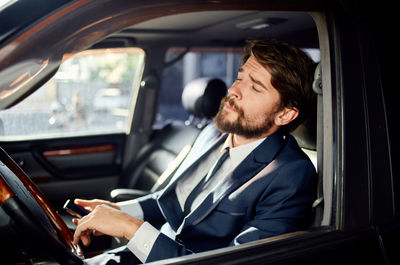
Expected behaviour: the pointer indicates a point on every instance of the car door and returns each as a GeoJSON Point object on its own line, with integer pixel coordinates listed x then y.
{"type": "Point", "coordinates": [69, 136]}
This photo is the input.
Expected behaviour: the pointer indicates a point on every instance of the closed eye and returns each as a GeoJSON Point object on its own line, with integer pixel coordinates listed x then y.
{"type": "Point", "coordinates": [257, 89]}
{"type": "Point", "coordinates": [258, 83]}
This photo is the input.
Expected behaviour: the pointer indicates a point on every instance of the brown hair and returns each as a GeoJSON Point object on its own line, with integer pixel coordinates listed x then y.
{"type": "Point", "coordinates": [291, 74]}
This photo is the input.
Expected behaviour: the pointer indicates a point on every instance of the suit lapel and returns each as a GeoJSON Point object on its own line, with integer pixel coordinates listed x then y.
{"type": "Point", "coordinates": [167, 201]}
{"type": "Point", "coordinates": [248, 168]}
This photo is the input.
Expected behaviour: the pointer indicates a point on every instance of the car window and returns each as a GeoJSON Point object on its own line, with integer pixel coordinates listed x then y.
{"type": "Point", "coordinates": [221, 63]}
{"type": "Point", "coordinates": [90, 94]}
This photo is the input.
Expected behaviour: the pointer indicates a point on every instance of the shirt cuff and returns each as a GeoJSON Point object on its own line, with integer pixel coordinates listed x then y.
{"type": "Point", "coordinates": [132, 207]}
{"type": "Point", "coordinates": [143, 240]}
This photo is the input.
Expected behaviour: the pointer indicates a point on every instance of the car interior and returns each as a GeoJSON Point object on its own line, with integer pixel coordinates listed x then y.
{"type": "Point", "coordinates": [205, 29]}
{"type": "Point", "coordinates": [142, 157]}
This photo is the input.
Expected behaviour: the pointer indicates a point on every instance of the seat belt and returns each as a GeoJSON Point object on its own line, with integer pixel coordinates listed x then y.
{"type": "Point", "coordinates": [172, 167]}
{"type": "Point", "coordinates": [169, 172]}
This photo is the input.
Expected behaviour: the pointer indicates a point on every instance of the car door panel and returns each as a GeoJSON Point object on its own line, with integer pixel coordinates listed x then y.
{"type": "Point", "coordinates": [320, 247]}
{"type": "Point", "coordinates": [80, 161]}
{"type": "Point", "coordinates": [84, 167]}
{"type": "Point", "coordinates": [58, 192]}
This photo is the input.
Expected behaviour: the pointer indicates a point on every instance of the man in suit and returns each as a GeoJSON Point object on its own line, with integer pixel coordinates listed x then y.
{"type": "Point", "coordinates": [264, 187]}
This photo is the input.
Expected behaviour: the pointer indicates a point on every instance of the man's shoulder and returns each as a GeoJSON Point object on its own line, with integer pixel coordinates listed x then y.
{"type": "Point", "coordinates": [282, 148]}
{"type": "Point", "coordinates": [293, 153]}
{"type": "Point", "coordinates": [294, 147]}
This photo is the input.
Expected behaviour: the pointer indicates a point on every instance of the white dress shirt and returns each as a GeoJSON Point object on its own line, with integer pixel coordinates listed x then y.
{"type": "Point", "coordinates": [144, 238]}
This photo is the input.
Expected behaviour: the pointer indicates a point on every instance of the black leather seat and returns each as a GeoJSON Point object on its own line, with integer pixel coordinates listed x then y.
{"type": "Point", "coordinates": [201, 98]}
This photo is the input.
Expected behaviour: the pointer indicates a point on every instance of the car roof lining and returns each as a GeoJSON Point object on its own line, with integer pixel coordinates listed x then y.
{"type": "Point", "coordinates": [210, 27]}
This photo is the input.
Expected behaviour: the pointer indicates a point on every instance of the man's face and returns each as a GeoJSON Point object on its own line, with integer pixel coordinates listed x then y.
{"type": "Point", "coordinates": [252, 103]}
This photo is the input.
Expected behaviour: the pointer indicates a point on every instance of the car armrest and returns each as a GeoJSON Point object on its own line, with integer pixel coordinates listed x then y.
{"type": "Point", "coordinates": [127, 194]}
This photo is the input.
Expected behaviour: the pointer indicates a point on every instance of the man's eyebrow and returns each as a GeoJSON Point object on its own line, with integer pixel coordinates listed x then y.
{"type": "Point", "coordinates": [258, 82]}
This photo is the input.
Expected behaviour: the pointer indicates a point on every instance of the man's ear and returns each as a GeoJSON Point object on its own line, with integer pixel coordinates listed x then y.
{"type": "Point", "coordinates": [285, 116]}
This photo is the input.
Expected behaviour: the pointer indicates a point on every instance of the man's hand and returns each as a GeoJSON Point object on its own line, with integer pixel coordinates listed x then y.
{"type": "Point", "coordinates": [91, 204]}
{"type": "Point", "coordinates": [105, 220]}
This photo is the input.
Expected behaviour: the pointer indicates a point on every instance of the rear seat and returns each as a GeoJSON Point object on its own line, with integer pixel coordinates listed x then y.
{"type": "Point", "coordinates": [169, 146]}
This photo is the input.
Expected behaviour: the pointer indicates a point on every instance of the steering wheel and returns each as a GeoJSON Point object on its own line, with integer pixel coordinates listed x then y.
{"type": "Point", "coordinates": [21, 199]}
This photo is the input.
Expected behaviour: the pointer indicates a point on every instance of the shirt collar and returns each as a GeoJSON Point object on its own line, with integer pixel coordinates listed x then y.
{"type": "Point", "coordinates": [238, 154]}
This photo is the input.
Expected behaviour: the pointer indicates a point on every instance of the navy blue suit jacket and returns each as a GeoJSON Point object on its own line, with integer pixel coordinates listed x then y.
{"type": "Point", "coordinates": [269, 193]}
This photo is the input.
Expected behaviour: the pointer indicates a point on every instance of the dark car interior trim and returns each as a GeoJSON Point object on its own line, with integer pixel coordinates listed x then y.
{"type": "Point", "coordinates": [80, 150]}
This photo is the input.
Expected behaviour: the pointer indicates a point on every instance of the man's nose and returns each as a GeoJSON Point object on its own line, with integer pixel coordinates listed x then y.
{"type": "Point", "coordinates": [235, 90]}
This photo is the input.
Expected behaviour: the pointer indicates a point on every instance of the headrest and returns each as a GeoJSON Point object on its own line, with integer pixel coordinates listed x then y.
{"type": "Point", "coordinates": [202, 96]}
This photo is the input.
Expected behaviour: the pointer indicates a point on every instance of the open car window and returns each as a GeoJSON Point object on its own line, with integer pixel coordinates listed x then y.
{"type": "Point", "coordinates": [185, 65]}
{"type": "Point", "coordinates": [90, 94]}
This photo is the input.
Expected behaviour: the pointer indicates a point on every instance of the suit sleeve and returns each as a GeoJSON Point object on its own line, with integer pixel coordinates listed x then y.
{"type": "Point", "coordinates": [165, 248]}
{"type": "Point", "coordinates": [151, 211]}
{"type": "Point", "coordinates": [285, 206]}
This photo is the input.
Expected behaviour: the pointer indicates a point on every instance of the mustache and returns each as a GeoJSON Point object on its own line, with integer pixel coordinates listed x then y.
{"type": "Point", "coordinates": [231, 102]}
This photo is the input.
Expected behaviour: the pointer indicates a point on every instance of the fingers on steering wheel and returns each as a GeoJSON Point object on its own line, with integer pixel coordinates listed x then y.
{"type": "Point", "coordinates": [85, 237]}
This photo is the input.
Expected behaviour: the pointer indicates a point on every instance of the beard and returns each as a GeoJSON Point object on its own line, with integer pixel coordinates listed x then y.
{"type": "Point", "coordinates": [244, 126]}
